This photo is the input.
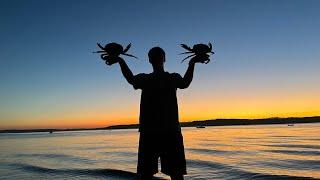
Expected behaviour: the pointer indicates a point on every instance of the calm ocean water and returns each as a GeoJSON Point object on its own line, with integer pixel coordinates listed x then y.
{"type": "Point", "coordinates": [229, 152]}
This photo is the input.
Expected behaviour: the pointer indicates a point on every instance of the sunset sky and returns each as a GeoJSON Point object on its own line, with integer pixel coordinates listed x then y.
{"type": "Point", "coordinates": [267, 61]}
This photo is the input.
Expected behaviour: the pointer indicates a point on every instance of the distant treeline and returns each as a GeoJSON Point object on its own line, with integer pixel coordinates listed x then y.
{"type": "Point", "coordinates": [232, 122]}
{"type": "Point", "coordinates": [212, 122]}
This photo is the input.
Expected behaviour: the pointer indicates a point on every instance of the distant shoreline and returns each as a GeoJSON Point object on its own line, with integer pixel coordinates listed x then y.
{"type": "Point", "coordinates": [212, 122]}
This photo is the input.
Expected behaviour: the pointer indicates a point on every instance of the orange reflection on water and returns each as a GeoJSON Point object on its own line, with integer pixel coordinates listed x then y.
{"type": "Point", "coordinates": [264, 149]}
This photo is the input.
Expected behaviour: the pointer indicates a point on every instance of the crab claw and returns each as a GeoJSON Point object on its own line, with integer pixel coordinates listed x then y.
{"type": "Point", "coordinates": [104, 56]}
{"type": "Point", "coordinates": [186, 47]}
{"type": "Point", "coordinates": [100, 46]}
{"type": "Point", "coordinates": [127, 48]}
{"type": "Point", "coordinates": [210, 47]}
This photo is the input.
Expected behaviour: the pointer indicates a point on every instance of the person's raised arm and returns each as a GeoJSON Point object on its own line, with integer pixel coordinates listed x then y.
{"type": "Point", "coordinates": [127, 73]}
{"type": "Point", "coordinates": [188, 76]}
{"type": "Point", "coordinates": [125, 70]}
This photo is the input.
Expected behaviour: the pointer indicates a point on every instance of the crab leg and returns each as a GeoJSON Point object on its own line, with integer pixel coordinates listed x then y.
{"type": "Point", "coordinates": [127, 48]}
{"type": "Point", "coordinates": [98, 52]}
{"type": "Point", "coordinates": [129, 55]}
{"type": "Point", "coordinates": [100, 46]}
{"type": "Point", "coordinates": [187, 57]}
{"type": "Point", "coordinates": [186, 53]}
{"type": "Point", "coordinates": [186, 47]}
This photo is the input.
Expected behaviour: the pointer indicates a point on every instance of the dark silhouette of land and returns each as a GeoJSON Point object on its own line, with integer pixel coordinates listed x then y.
{"type": "Point", "coordinates": [210, 122]}
{"type": "Point", "coordinates": [233, 122]}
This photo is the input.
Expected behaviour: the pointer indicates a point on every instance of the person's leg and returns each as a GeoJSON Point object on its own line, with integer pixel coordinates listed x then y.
{"type": "Point", "coordinates": [176, 177]}
{"type": "Point", "coordinates": [173, 161]}
{"type": "Point", "coordinates": [147, 157]}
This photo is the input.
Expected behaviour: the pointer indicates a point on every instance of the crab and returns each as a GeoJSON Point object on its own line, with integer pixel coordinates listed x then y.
{"type": "Point", "coordinates": [112, 50]}
{"type": "Point", "coordinates": [198, 50]}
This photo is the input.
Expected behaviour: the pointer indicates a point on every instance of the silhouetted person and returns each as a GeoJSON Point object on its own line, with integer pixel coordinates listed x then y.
{"type": "Point", "coordinates": [160, 132]}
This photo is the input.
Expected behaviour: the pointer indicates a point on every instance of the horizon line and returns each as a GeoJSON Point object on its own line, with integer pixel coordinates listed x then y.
{"type": "Point", "coordinates": [84, 128]}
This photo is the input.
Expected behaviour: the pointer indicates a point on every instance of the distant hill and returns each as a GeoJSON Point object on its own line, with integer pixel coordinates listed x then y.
{"type": "Point", "coordinates": [211, 122]}
{"type": "Point", "coordinates": [233, 122]}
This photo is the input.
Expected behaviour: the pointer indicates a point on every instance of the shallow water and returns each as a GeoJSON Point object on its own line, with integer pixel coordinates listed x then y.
{"type": "Point", "coordinates": [229, 152]}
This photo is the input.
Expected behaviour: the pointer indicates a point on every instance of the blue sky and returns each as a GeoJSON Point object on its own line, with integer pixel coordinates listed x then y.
{"type": "Point", "coordinates": [263, 48]}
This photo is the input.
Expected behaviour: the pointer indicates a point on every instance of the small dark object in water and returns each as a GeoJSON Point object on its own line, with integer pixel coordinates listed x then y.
{"type": "Point", "coordinates": [201, 127]}
{"type": "Point", "coordinates": [51, 131]}
{"type": "Point", "coordinates": [290, 124]}
{"type": "Point", "coordinates": [111, 51]}
{"type": "Point", "coordinates": [198, 50]}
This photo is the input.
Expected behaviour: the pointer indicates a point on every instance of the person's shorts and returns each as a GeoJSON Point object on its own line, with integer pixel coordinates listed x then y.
{"type": "Point", "coordinates": [166, 146]}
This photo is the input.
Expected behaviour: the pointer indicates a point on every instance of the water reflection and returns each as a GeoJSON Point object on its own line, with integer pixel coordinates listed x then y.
{"type": "Point", "coordinates": [271, 151]}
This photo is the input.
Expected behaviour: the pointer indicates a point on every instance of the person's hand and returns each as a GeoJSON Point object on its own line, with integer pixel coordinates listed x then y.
{"type": "Point", "coordinates": [199, 59]}
{"type": "Point", "coordinates": [112, 60]}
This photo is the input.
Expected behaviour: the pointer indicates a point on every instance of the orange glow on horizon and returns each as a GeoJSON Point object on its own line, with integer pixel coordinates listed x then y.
{"type": "Point", "coordinates": [190, 109]}
{"type": "Point", "coordinates": [109, 121]}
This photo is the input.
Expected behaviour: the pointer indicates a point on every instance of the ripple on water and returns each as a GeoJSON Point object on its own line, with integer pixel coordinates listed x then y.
{"type": "Point", "coordinates": [307, 146]}
{"type": "Point", "coordinates": [295, 152]}
{"type": "Point", "coordinates": [223, 171]}
{"type": "Point", "coordinates": [121, 153]}
{"type": "Point", "coordinates": [211, 151]}
{"type": "Point", "coordinates": [292, 164]}
{"type": "Point", "coordinates": [74, 173]}
{"type": "Point", "coordinates": [62, 157]}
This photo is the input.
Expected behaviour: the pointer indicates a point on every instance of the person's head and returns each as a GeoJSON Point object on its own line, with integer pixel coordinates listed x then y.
{"type": "Point", "coordinates": [157, 56]}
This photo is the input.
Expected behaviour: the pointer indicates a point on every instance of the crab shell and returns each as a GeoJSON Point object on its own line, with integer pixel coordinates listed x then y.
{"type": "Point", "coordinates": [113, 49]}
{"type": "Point", "coordinates": [201, 49]}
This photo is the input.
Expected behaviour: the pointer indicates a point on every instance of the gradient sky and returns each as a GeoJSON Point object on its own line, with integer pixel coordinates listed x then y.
{"type": "Point", "coordinates": [267, 59]}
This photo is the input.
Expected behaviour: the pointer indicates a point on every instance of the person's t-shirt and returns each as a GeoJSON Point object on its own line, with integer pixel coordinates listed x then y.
{"type": "Point", "coordinates": [158, 106]}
